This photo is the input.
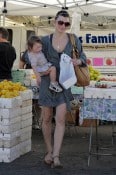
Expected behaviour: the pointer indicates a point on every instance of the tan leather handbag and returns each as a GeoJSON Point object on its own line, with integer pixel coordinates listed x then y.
{"type": "Point", "coordinates": [82, 72]}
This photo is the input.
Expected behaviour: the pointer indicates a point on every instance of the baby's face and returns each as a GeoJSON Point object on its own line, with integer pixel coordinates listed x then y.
{"type": "Point", "coordinates": [37, 47]}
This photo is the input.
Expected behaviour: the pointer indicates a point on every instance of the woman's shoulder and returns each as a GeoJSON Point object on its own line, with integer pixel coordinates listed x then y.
{"type": "Point", "coordinates": [73, 34]}
{"type": "Point", "coordinates": [76, 38]}
{"type": "Point", "coordinates": [45, 38]}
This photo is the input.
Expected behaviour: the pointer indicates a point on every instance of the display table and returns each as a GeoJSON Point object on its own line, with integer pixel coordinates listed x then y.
{"type": "Point", "coordinates": [98, 103]}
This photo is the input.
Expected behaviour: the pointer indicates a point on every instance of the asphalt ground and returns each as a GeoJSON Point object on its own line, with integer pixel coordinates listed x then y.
{"type": "Point", "coordinates": [74, 155]}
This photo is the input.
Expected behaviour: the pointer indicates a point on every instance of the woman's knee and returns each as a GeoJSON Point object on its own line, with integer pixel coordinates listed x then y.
{"type": "Point", "coordinates": [47, 117]}
{"type": "Point", "coordinates": [60, 120]}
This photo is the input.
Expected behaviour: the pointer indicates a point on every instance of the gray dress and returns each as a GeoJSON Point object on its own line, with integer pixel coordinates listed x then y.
{"type": "Point", "coordinates": [46, 96]}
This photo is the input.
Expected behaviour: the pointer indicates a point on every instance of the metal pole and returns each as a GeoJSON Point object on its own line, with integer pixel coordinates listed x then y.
{"type": "Point", "coordinates": [4, 19]}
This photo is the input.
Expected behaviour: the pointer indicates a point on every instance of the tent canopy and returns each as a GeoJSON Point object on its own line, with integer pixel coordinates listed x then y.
{"type": "Point", "coordinates": [94, 13]}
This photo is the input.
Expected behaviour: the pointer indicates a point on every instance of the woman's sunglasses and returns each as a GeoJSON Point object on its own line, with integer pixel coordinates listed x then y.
{"type": "Point", "coordinates": [67, 24]}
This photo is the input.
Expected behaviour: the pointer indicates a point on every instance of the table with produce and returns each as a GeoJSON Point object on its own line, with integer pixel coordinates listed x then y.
{"type": "Point", "coordinates": [99, 97]}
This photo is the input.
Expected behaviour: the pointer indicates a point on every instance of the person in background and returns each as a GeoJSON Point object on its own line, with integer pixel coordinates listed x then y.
{"type": "Point", "coordinates": [7, 55]}
{"type": "Point", "coordinates": [53, 46]}
{"type": "Point", "coordinates": [24, 61]}
{"type": "Point", "coordinates": [40, 65]}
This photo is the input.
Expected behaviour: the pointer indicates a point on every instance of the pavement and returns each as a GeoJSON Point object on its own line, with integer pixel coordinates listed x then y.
{"type": "Point", "coordinates": [74, 155]}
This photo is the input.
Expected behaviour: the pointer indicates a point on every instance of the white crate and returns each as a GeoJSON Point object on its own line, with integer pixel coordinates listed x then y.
{"type": "Point", "coordinates": [10, 113]}
{"type": "Point", "coordinates": [27, 129]}
{"type": "Point", "coordinates": [26, 103]}
{"type": "Point", "coordinates": [26, 95]}
{"type": "Point", "coordinates": [26, 116]}
{"type": "Point", "coordinates": [9, 143]}
{"type": "Point", "coordinates": [9, 121]}
{"type": "Point", "coordinates": [25, 147]}
{"type": "Point", "coordinates": [26, 109]}
{"type": "Point", "coordinates": [10, 128]}
{"type": "Point", "coordinates": [26, 123]}
{"type": "Point", "coordinates": [9, 154]}
{"type": "Point", "coordinates": [10, 102]}
{"type": "Point", "coordinates": [25, 136]}
{"type": "Point", "coordinates": [15, 126]}
{"type": "Point", "coordinates": [26, 133]}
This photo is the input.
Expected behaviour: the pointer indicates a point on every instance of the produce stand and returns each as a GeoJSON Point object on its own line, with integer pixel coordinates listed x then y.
{"type": "Point", "coordinates": [27, 78]}
{"type": "Point", "coordinates": [99, 103]}
{"type": "Point", "coordinates": [15, 121]}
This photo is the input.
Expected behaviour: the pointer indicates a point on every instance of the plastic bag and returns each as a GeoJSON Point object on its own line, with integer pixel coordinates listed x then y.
{"type": "Point", "coordinates": [67, 76]}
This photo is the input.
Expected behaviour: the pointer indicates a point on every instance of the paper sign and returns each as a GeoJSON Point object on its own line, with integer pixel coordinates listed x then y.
{"type": "Point", "coordinates": [97, 61]}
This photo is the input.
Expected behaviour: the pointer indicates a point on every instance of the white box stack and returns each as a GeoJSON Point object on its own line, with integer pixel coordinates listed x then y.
{"type": "Point", "coordinates": [10, 124]}
{"type": "Point", "coordinates": [15, 126]}
{"type": "Point", "coordinates": [26, 121]}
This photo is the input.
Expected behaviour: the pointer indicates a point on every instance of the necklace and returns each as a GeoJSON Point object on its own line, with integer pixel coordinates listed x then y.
{"type": "Point", "coordinates": [58, 47]}
{"type": "Point", "coordinates": [59, 43]}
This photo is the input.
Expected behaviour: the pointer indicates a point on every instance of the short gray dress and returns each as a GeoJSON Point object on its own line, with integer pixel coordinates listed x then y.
{"type": "Point", "coordinates": [47, 97]}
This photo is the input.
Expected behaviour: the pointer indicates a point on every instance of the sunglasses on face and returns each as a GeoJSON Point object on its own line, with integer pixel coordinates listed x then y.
{"type": "Point", "coordinates": [67, 24]}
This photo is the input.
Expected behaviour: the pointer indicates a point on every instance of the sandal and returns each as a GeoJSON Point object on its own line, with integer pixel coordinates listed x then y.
{"type": "Point", "coordinates": [56, 163]}
{"type": "Point", "coordinates": [55, 87]}
{"type": "Point", "coordinates": [48, 161]}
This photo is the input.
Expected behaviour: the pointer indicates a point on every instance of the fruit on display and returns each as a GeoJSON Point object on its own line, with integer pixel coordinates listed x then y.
{"type": "Point", "coordinates": [9, 89]}
{"type": "Point", "coordinates": [94, 73]}
{"type": "Point", "coordinates": [88, 61]}
{"type": "Point", "coordinates": [100, 84]}
{"type": "Point", "coordinates": [108, 78]}
{"type": "Point", "coordinates": [108, 61]}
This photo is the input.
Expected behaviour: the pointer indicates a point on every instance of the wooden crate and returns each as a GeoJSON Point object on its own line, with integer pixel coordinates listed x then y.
{"type": "Point", "coordinates": [87, 122]}
{"type": "Point", "coordinates": [72, 117]}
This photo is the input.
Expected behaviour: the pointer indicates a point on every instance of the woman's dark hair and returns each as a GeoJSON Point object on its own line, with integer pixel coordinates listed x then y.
{"type": "Point", "coordinates": [63, 13]}
{"type": "Point", "coordinates": [32, 40]}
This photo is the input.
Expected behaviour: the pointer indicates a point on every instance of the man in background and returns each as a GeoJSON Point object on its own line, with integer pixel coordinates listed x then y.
{"type": "Point", "coordinates": [7, 55]}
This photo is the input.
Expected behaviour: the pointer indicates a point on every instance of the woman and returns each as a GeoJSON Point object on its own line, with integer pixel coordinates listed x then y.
{"type": "Point", "coordinates": [53, 46]}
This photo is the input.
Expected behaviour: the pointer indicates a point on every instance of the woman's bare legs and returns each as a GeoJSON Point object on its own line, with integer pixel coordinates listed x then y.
{"type": "Point", "coordinates": [59, 132]}
{"type": "Point", "coordinates": [47, 129]}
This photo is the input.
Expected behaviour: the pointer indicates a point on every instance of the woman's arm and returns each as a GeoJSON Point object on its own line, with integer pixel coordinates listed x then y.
{"type": "Point", "coordinates": [21, 64]}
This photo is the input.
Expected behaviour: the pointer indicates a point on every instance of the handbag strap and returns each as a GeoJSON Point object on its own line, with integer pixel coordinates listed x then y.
{"type": "Point", "coordinates": [72, 39]}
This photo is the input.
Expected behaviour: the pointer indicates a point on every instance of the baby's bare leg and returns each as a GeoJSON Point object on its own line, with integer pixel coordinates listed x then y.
{"type": "Point", "coordinates": [52, 70]}
{"type": "Point", "coordinates": [54, 85]}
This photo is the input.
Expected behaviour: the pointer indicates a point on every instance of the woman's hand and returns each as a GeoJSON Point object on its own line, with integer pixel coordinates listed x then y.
{"type": "Point", "coordinates": [76, 61]}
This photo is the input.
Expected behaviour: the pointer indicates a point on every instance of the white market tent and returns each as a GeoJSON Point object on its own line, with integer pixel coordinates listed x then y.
{"type": "Point", "coordinates": [95, 14]}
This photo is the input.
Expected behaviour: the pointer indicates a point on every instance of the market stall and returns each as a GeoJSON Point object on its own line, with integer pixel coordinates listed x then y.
{"type": "Point", "coordinates": [15, 120]}
{"type": "Point", "coordinates": [98, 103]}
